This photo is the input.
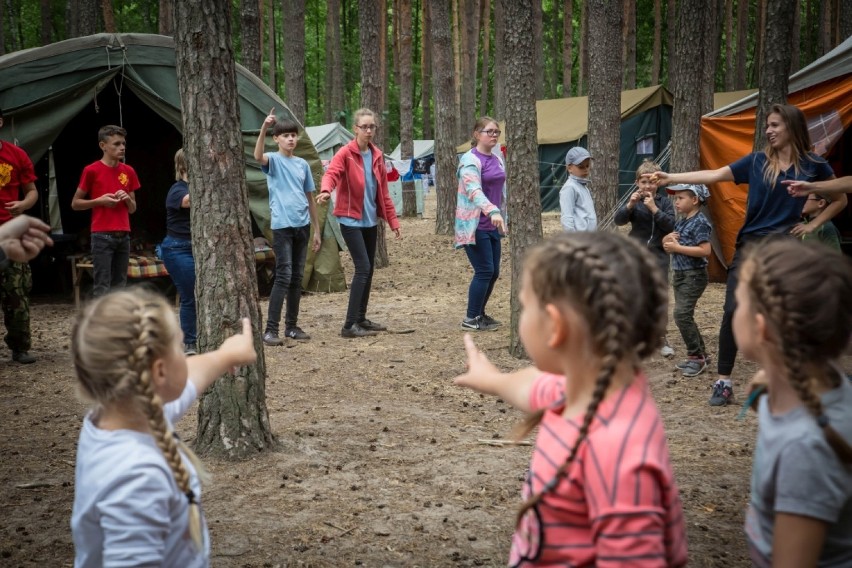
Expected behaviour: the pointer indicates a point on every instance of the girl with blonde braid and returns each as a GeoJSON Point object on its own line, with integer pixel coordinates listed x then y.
{"type": "Point", "coordinates": [794, 318]}
{"type": "Point", "coordinates": [600, 488]}
{"type": "Point", "coordinates": [137, 491]}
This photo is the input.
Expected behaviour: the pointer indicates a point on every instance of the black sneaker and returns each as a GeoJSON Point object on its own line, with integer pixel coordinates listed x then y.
{"type": "Point", "coordinates": [722, 393]}
{"type": "Point", "coordinates": [694, 366]}
{"type": "Point", "coordinates": [372, 325]}
{"type": "Point", "coordinates": [190, 349]}
{"type": "Point", "coordinates": [477, 324]}
{"type": "Point", "coordinates": [271, 338]}
{"type": "Point", "coordinates": [297, 333]}
{"type": "Point", "coordinates": [22, 357]}
{"type": "Point", "coordinates": [356, 331]}
{"type": "Point", "coordinates": [491, 321]}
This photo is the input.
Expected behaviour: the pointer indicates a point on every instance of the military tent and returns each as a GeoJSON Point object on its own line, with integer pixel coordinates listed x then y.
{"type": "Point", "coordinates": [328, 138]}
{"type": "Point", "coordinates": [422, 149]}
{"type": "Point", "coordinates": [823, 91]}
{"type": "Point", "coordinates": [56, 97]}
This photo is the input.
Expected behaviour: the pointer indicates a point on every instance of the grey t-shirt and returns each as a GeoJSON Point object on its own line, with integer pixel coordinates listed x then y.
{"type": "Point", "coordinates": [795, 471]}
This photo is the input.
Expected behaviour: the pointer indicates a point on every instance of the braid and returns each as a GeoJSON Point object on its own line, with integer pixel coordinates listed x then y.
{"type": "Point", "coordinates": [655, 298]}
{"type": "Point", "coordinates": [604, 298]}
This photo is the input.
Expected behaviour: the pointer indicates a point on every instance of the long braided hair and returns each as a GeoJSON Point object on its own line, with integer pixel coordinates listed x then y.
{"type": "Point", "coordinates": [619, 289]}
{"type": "Point", "coordinates": [802, 290]}
{"type": "Point", "coordinates": [114, 344]}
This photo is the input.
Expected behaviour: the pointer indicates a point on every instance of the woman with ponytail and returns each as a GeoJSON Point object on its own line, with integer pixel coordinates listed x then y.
{"type": "Point", "coordinates": [600, 490]}
{"type": "Point", "coordinates": [137, 494]}
{"type": "Point", "coordinates": [794, 318]}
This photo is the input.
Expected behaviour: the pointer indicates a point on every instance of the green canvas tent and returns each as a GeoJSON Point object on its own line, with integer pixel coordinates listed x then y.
{"type": "Point", "coordinates": [56, 97]}
{"type": "Point", "coordinates": [328, 138]}
{"type": "Point", "coordinates": [646, 126]}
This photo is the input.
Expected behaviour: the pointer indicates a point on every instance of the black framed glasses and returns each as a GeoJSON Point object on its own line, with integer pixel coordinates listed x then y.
{"type": "Point", "coordinates": [491, 132]}
{"type": "Point", "coordinates": [367, 127]}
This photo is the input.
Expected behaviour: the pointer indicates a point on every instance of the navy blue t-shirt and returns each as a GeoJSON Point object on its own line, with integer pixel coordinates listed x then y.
{"type": "Point", "coordinates": [177, 218]}
{"type": "Point", "coordinates": [771, 210]}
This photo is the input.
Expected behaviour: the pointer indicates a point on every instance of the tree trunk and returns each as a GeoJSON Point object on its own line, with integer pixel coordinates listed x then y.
{"type": "Point", "coordinates": [250, 27]}
{"type": "Point", "coordinates": [333, 65]}
{"type": "Point", "coordinates": [445, 117]}
{"type": "Point", "coordinates": [628, 27]}
{"type": "Point", "coordinates": [87, 17]}
{"type": "Point", "coordinates": [671, 35]}
{"type": "Point", "coordinates": [568, 47]}
{"type": "Point", "coordinates": [271, 44]}
{"type": "Point", "coordinates": [470, 50]}
{"type": "Point", "coordinates": [499, 61]}
{"type": "Point", "coordinates": [524, 202]}
{"type": "Point", "coordinates": [742, 44]}
{"type": "Point", "coordinates": [795, 63]}
{"type": "Point", "coordinates": [109, 16]}
{"type": "Point", "coordinates": [657, 57]}
{"type": "Point", "coordinates": [845, 21]}
{"type": "Point", "coordinates": [691, 89]}
{"type": "Point", "coordinates": [457, 63]}
{"type": "Point", "coordinates": [293, 23]}
{"type": "Point", "coordinates": [776, 64]}
{"type": "Point", "coordinates": [232, 418]}
{"type": "Point", "coordinates": [486, 56]}
{"type": "Point", "coordinates": [713, 11]}
{"type": "Point", "coordinates": [395, 39]}
{"type": "Point", "coordinates": [760, 39]}
{"type": "Point", "coordinates": [824, 35]}
{"type": "Point", "coordinates": [605, 73]}
{"type": "Point", "coordinates": [583, 75]}
{"type": "Point", "coordinates": [426, 91]}
{"type": "Point", "coordinates": [46, 23]}
{"type": "Point", "coordinates": [729, 45]}
{"type": "Point", "coordinates": [167, 17]}
{"type": "Point", "coordinates": [538, 43]}
{"type": "Point", "coordinates": [409, 200]}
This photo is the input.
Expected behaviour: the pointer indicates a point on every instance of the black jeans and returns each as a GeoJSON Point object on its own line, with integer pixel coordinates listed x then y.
{"type": "Point", "coordinates": [110, 257]}
{"type": "Point", "coordinates": [291, 248]}
{"type": "Point", "coordinates": [688, 286]}
{"type": "Point", "coordinates": [361, 242]}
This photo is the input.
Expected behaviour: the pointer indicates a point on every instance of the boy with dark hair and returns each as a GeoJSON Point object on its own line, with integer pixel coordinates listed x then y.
{"type": "Point", "coordinates": [689, 246]}
{"type": "Point", "coordinates": [17, 194]}
{"type": "Point", "coordinates": [106, 187]}
{"type": "Point", "coordinates": [293, 213]}
{"type": "Point", "coordinates": [826, 233]}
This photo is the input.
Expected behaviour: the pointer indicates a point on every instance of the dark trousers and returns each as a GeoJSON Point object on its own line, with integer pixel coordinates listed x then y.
{"type": "Point", "coordinates": [16, 281]}
{"type": "Point", "coordinates": [291, 249]}
{"type": "Point", "coordinates": [110, 257]}
{"type": "Point", "coordinates": [361, 242]}
{"type": "Point", "coordinates": [688, 286]}
{"type": "Point", "coordinates": [484, 257]}
{"type": "Point", "coordinates": [177, 256]}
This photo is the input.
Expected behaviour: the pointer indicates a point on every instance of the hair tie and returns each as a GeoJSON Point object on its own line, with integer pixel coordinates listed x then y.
{"type": "Point", "coordinates": [822, 420]}
{"type": "Point", "coordinates": [190, 496]}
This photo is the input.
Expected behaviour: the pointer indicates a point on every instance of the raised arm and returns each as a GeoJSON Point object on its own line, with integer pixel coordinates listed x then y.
{"type": "Point", "coordinates": [705, 177]}
{"type": "Point", "coordinates": [798, 188]}
{"type": "Point", "coordinates": [235, 351]}
{"type": "Point", "coordinates": [260, 145]}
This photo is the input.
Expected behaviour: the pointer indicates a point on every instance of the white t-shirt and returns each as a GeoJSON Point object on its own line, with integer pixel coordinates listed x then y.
{"type": "Point", "coordinates": [128, 509]}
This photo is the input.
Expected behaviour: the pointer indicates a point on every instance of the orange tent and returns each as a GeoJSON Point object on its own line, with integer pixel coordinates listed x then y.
{"type": "Point", "coordinates": [823, 91]}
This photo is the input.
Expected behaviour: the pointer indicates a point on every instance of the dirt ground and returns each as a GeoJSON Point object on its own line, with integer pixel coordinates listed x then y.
{"type": "Point", "coordinates": [383, 462]}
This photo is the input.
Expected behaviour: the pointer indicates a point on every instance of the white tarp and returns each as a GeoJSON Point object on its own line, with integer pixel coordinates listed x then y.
{"type": "Point", "coordinates": [422, 149]}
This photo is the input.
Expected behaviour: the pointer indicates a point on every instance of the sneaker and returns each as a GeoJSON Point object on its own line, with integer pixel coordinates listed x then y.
{"type": "Point", "coordinates": [722, 394]}
{"type": "Point", "coordinates": [372, 325]}
{"type": "Point", "coordinates": [683, 364]}
{"type": "Point", "coordinates": [22, 357]}
{"type": "Point", "coordinates": [491, 321]}
{"type": "Point", "coordinates": [477, 324]}
{"type": "Point", "coordinates": [297, 333]}
{"type": "Point", "coordinates": [667, 351]}
{"type": "Point", "coordinates": [694, 366]}
{"type": "Point", "coordinates": [189, 349]}
{"type": "Point", "coordinates": [271, 338]}
{"type": "Point", "coordinates": [356, 331]}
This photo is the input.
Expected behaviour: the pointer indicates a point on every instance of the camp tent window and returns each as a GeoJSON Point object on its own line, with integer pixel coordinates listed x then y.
{"type": "Point", "coordinates": [825, 129]}
{"type": "Point", "coordinates": [645, 146]}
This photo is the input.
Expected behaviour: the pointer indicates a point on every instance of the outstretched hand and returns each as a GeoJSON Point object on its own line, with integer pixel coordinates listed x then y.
{"type": "Point", "coordinates": [270, 118]}
{"type": "Point", "coordinates": [481, 373]}
{"type": "Point", "coordinates": [798, 188]}
{"type": "Point", "coordinates": [322, 197]}
{"type": "Point", "coordinates": [238, 349]}
{"type": "Point", "coordinates": [658, 178]}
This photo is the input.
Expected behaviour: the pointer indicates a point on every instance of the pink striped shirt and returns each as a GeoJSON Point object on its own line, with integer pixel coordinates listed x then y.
{"type": "Point", "coordinates": [618, 504]}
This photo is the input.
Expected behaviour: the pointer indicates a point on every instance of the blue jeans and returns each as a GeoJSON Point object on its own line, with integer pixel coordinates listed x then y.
{"type": "Point", "coordinates": [177, 256]}
{"type": "Point", "coordinates": [361, 242]}
{"type": "Point", "coordinates": [110, 257]}
{"type": "Point", "coordinates": [484, 257]}
{"type": "Point", "coordinates": [291, 248]}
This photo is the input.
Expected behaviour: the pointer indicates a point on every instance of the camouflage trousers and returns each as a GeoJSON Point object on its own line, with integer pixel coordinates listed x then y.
{"type": "Point", "coordinates": [15, 284]}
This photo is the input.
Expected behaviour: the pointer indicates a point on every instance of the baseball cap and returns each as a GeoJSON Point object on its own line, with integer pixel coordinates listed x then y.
{"type": "Point", "coordinates": [700, 191]}
{"type": "Point", "coordinates": [576, 155]}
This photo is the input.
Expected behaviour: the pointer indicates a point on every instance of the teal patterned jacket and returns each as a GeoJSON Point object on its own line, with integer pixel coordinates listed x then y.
{"type": "Point", "coordinates": [470, 200]}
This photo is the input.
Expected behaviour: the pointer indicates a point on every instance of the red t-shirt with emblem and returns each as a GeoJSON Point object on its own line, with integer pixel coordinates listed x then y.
{"type": "Point", "coordinates": [99, 179]}
{"type": "Point", "coordinates": [16, 169]}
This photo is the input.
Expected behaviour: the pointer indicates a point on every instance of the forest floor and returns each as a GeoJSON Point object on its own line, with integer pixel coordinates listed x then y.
{"type": "Point", "coordinates": [382, 460]}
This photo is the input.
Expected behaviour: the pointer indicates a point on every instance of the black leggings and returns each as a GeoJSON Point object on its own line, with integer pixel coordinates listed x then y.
{"type": "Point", "coordinates": [361, 242]}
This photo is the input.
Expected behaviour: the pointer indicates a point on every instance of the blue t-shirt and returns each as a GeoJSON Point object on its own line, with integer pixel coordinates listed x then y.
{"type": "Point", "coordinates": [691, 232]}
{"type": "Point", "coordinates": [177, 217]}
{"type": "Point", "coordinates": [771, 210]}
{"type": "Point", "coordinates": [368, 213]}
{"type": "Point", "coordinates": [289, 181]}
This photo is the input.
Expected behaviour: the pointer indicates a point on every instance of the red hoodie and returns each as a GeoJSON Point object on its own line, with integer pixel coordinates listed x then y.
{"type": "Point", "coordinates": [345, 174]}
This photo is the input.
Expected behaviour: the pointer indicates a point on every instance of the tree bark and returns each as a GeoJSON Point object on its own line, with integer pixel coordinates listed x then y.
{"type": "Point", "coordinates": [538, 42]}
{"type": "Point", "coordinates": [87, 17]}
{"type": "Point", "coordinates": [691, 89]}
{"type": "Point", "coordinates": [485, 19]}
{"type": "Point", "coordinates": [824, 34]}
{"type": "Point", "coordinates": [671, 35]}
{"type": "Point", "coordinates": [446, 126]}
{"type": "Point", "coordinates": [568, 47]}
{"type": "Point", "coordinates": [271, 44]}
{"type": "Point", "coordinates": [657, 57]}
{"type": "Point", "coordinates": [458, 14]}
{"type": "Point", "coordinates": [742, 43]}
{"type": "Point", "coordinates": [250, 27]}
{"type": "Point", "coordinates": [776, 57]}
{"type": "Point", "coordinates": [470, 49]}
{"type": "Point", "coordinates": [46, 23]}
{"type": "Point", "coordinates": [293, 23]}
{"type": "Point", "coordinates": [524, 202]}
{"type": "Point", "coordinates": [406, 87]}
{"type": "Point", "coordinates": [796, 38]}
{"type": "Point", "coordinates": [232, 417]}
{"type": "Point", "coordinates": [605, 73]}
{"type": "Point", "coordinates": [109, 16]}
{"type": "Point", "coordinates": [729, 45]}
{"type": "Point", "coordinates": [628, 28]}
{"type": "Point", "coordinates": [167, 17]}
{"type": "Point", "coordinates": [333, 66]}
{"type": "Point", "coordinates": [499, 59]}
{"type": "Point", "coordinates": [714, 9]}
{"type": "Point", "coordinates": [427, 90]}
{"type": "Point", "coordinates": [395, 31]}
{"type": "Point", "coordinates": [845, 21]}
{"type": "Point", "coordinates": [583, 75]}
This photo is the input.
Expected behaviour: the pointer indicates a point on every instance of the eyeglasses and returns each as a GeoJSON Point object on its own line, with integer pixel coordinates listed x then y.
{"type": "Point", "coordinates": [367, 127]}
{"type": "Point", "coordinates": [491, 132]}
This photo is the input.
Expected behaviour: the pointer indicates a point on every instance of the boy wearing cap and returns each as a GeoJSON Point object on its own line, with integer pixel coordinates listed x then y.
{"type": "Point", "coordinates": [826, 233]}
{"type": "Point", "coordinates": [689, 247]}
{"type": "Point", "coordinates": [575, 201]}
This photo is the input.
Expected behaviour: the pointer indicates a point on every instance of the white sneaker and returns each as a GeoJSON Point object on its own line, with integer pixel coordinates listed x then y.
{"type": "Point", "coordinates": [667, 352]}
